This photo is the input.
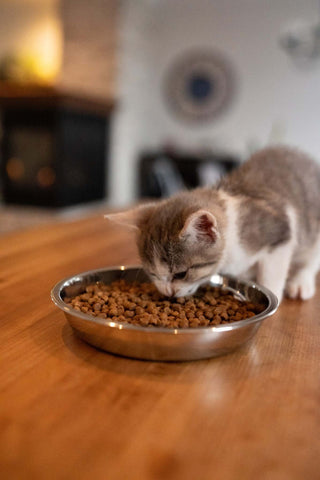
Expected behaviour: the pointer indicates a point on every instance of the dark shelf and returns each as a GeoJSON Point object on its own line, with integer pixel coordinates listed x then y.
{"type": "Point", "coordinates": [54, 146]}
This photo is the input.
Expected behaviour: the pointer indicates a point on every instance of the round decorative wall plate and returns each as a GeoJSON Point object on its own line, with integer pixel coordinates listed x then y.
{"type": "Point", "coordinates": [199, 85]}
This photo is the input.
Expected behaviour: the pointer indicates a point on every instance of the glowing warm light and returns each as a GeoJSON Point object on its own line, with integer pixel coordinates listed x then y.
{"type": "Point", "coordinates": [46, 177]}
{"type": "Point", "coordinates": [15, 169]}
{"type": "Point", "coordinates": [46, 49]}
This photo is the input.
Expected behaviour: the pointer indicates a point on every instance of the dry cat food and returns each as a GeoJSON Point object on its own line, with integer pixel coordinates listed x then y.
{"type": "Point", "coordinates": [141, 304]}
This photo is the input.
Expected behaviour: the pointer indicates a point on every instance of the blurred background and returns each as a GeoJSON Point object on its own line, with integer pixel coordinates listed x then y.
{"type": "Point", "coordinates": [105, 103]}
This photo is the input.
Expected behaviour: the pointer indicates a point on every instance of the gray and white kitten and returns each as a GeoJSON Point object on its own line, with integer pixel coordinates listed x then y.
{"type": "Point", "coordinates": [262, 221]}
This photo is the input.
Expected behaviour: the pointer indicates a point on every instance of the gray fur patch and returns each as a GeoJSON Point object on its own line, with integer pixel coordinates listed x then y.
{"type": "Point", "coordinates": [261, 226]}
{"type": "Point", "coordinates": [267, 183]}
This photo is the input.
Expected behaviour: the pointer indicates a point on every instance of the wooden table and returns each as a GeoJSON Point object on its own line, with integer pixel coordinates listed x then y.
{"type": "Point", "coordinates": [70, 412]}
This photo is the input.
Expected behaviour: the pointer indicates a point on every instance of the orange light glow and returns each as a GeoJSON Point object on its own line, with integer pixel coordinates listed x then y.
{"type": "Point", "coordinates": [46, 177]}
{"type": "Point", "coordinates": [15, 169]}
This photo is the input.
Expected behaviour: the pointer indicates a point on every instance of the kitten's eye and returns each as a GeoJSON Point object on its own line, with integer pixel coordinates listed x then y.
{"type": "Point", "coordinates": [180, 275]}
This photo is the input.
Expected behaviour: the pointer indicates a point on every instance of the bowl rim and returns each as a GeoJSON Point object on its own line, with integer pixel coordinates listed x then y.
{"type": "Point", "coordinates": [57, 300]}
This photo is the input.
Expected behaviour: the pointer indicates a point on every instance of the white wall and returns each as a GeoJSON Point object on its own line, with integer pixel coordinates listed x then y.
{"type": "Point", "coordinates": [275, 99]}
{"type": "Point", "coordinates": [89, 31]}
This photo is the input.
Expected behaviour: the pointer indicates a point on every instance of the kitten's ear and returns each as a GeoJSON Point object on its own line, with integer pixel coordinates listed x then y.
{"type": "Point", "coordinates": [131, 218]}
{"type": "Point", "coordinates": [201, 225]}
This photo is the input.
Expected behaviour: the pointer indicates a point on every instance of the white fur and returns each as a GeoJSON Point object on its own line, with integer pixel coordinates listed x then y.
{"type": "Point", "coordinates": [302, 284]}
{"type": "Point", "coordinates": [272, 266]}
{"type": "Point", "coordinates": [161, 269]}
{"type": "Point", "coordinates": [236, 259]}
{"type": "Point", "coordinates": [162, 281]}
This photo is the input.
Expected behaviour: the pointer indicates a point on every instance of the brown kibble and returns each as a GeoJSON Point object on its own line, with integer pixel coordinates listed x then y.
{"type": "Point", "coordinates": [204, 322]}
{"type": "Point", "coordinates": [194, 323]}
{"type": "Point", "coordinates": [209, 314]}
{"type": "Point", "coordinates": [85, 296]}
{"type": "Point", "coordinates": [141, 304]}
{"type": "Point", "coordinates": [181, 300]}
{"type": "Point", "coordinates": [183, 323]}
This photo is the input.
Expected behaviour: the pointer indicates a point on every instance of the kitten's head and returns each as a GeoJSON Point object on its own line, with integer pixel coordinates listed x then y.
{"type": "Point", "coordinates": [180, 244]}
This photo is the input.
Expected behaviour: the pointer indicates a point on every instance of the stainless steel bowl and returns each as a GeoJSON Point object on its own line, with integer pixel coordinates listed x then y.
{"type": "Point", "coordinates": [155, 343]}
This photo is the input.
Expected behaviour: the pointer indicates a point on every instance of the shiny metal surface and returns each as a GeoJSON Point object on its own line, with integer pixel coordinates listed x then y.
{"type": "Point", "coordinates": [155, 343]}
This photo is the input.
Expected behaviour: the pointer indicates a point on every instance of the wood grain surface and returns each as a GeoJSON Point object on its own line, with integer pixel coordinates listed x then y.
{"type": "Point", "coordinates": [69, 411]}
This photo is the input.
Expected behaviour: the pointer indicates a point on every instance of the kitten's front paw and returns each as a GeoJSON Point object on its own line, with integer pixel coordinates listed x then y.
{"type": "Point", "coordinates": [301, 287]}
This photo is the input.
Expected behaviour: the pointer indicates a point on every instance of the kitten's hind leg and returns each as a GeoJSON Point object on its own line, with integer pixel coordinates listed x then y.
{"type": "Point", "coordinates": [303, 283]}
{"type": "Point", "coordinates": [273, 269]}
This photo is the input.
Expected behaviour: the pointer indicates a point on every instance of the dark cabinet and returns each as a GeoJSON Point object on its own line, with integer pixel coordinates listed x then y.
{"type": "Point", "coordinates": [54, 148]}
